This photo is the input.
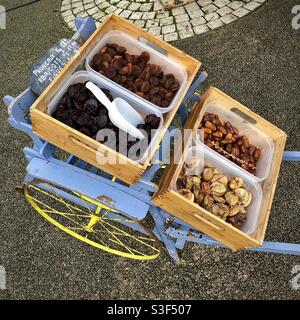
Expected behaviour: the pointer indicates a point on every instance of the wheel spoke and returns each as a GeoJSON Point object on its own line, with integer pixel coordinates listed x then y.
{"type": "Point", "coordinates": [117, 239]}
{"type": "Point", "coordinates": [130, 236]}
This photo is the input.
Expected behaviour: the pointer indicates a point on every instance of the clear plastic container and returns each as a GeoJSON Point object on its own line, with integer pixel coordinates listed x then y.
{"type": "Point", "coordinates": [84, 76]}
{"type": "Point", "coordinates": [135, 46]}
{"type": "Point", "coordinates": [231, 171]}
{"type": "Point", "coordinates": [255, 136]}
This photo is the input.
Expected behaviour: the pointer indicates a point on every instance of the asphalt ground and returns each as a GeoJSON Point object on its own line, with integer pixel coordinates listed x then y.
{"type": "Point", "coordinates": [255, 60]}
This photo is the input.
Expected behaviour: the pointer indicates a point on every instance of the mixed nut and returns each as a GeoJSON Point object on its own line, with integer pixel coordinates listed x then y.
{"type": "Point", "coordinates": [224, 138]}
{"type": "Point", "coordinates": [134, 73]}
{"type": "Point", "coordinates": [80, 110]}
{"type": "Point", "coordinates": [227, 199]}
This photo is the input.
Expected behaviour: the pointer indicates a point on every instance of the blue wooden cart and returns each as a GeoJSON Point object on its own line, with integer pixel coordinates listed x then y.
{"type": "Point", "coordinates": [66, 192]}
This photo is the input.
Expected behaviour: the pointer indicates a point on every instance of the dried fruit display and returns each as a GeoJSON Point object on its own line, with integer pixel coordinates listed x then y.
{"type": "Point", "coordinates": [135, 73]}
{"type": "Point", "coordinates": [80, 110]}
{"type": "Point", "coordinates": [224, 138]}
{"type": "Point", "coordinates": [226, 199]}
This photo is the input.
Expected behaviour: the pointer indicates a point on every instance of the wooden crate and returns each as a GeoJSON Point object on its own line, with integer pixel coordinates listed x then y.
{"type": "Point", "coordinates": [201, 219]}
{"type": "Point", "coordinates": [83, 146]}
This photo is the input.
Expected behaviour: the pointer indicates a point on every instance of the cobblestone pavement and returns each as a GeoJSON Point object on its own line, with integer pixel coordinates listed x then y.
{"type": "Point", "coordinates": [170, 25]}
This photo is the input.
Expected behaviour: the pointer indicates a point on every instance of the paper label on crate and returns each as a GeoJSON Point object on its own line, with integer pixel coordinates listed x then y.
{"type": "Point", "coordinates": [49, 66]}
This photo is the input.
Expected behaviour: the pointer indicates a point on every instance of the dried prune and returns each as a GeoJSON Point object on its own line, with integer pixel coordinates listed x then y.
{"type": "Point", "coordinates": [106, 57]}
{"type": "Point", "coordinates": [111, 51]}
{"type": "Point", "coordinates": [67, 101]}
{"type": "Point", "coordinates": [136, 70]}
{"type": "Point", "coordinates": [91, 106]}
{"type": "Point", "coordinates": [145, 86]}
{"type": "Point", "coordinates": [101, 121]}
{"type": "Point", "coordinates": [117, 63]}
{"type": "Point", "coordinates": [97, 59]}
{"type": "Point", "coordinates": [144, 57]}
{"type": "Point", "coordinates": [152, 120]}
{"type": "Point", "coordinates": [110, 72]}
{"type": "Point", "coordinates": [124, 70]}
{"type": "Point", "coordinates": [120, 50]}
{"type": "Point", "coordinates": [83, 120]}
{"type": "Point", "coordinates": [164, 103]}
{"type": "Point", "coordinates": [153, 90]}
{"type": "Point", "coordinates": [154, 81]}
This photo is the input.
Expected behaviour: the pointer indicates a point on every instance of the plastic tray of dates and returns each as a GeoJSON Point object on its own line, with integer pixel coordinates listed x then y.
{"type": "Point", "coordinates": [138, 69]}
{"type": "Point", "coordinates": [77, 107]}
{"type": "Point", "coordinates": [234, 138]}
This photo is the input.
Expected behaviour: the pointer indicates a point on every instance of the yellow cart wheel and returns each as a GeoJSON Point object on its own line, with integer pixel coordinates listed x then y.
{"type": "Point", "coordinates": [93, 222]}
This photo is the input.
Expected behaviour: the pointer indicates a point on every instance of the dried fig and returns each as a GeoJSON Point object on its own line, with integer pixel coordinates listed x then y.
{"type": "Point", "coordinates": [238, 220]}
{"type": "Point", "coordinates": [244, 197]}
{"type": "Point", "coordinates": [220, 210]}
{"type": "Point", "coordinates": [208, 173]}
{"type": "Point", "coordinates": [187, 194]}
{"type": "Point", "coordinates": [218, 188]}
{"type": "Point", "coordinates": [208, 201]}
{"type": "Point", "coordinates": [231, 198]}
{"type": "Point", "coordinates": [205, 187]}
{"type": "Point", "coordinates": [236, 182]}
{"type": "Point", "coordinates": [235, 210]}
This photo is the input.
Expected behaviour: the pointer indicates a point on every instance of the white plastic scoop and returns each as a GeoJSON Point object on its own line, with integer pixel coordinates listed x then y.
{"type": "Point", "coordinates": [120, 113]}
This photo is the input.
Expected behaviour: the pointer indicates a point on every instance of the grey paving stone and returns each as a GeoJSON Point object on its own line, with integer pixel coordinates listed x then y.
{"type": "Point", "coordinates": [98, 15]}
{"type": "Point", "coordinates": [134, 6]}
{"type": "Point", "coordinates": [183, 25]}
{"type": "Point", "coordinates": [211, 16]}
{"type": "Point", "coordinates": [240, 12]}
{"type": "Point", "coordinates": [215, 24]}
{"type": "Point", "coordinates": [158, 7]}
{"type": "Point", "coordinates": [126, 13]}
{"type": "Point", "coordinates": [110, 9]}
{"type": "Point", "coordinates": [123, 4]}
{"type": "Point", "coordinates": [149, 15]}
{"type": "Point", "coordinates": [182, 18]}
{"type": "Point", "coordinates": [171, 36]}
{"type": "Point", "coordinates": [136, 15]}
{"type": "Point", "coordinates": [104, 5]}
{"type": "Point", "coordinates": [89, 6]}
{"type": "Point", "coordinates": [195, 14]}
{"type": "Point", "coordinates": [252, 5]}
{"type": "Point", "coordinates": [92, 10]}
{"type": "Point", "coordinates": [146, 7]}
{"type": "Point", "coordinates": [140, 23]}
{"type": "Point", "coordinates": [224, 10]}
{"type": "Point", "coordinates": [204, 3]}
{"type": "Point", "coordinates": [166, 21]}
{"type": "Point", "coordinates": [178, 11]}
{"type": "Point", "coordinates": [152, 23]}
{"type": "Point", "coordinates": [65, 8]}
{"type": "Point", "coordinates": [235, 4]}
{"type": "Point", "coordinates": [209, 9]}
{"type": "Point", "coordinates": [183, 34]}
{"type": "Point", "coordinates": [168, 29]}
{"type": "Point", "coordinates": [155, 31]}
{"type": "Point", "coordinates": [201, 29]}
{"type": "Point", "coordinates": [163, 15]}
{"type": "Point", "coordinates": [198, 21]}
{"type": "Point", "coordinates": [191, 7]}
{"type": "Point", "coordinates": [67, 13]}
{"type": "Point", "coordinates": [78, 10]}
{"type": "Point", "coordinates": [221, 3]}
{"type": "Point", "coordinates": [228, 18]}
